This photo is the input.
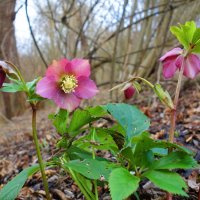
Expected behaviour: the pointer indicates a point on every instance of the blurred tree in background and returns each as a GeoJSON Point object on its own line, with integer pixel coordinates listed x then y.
{"type": "Point", "coordinates": [120, 38]}
{"type": "Point", "coordinates": [12, 105]}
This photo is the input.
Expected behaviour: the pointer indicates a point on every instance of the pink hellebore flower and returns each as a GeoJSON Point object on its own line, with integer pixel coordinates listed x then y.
{"type": "Point", "coordinates": [174, 59]}
{"type": "Point", "coordinates": [67, 82]}
{"type": "Point", "coordinates": [129, 92]}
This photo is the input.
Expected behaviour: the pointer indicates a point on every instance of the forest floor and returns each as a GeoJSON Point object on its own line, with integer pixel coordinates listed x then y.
{"type": "Point", "coordinates": [17, 150]}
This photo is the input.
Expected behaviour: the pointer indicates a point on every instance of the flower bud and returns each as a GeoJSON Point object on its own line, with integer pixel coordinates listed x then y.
{"type": "Point", "coordinates": [2, 76]}
{"type": "Point", "coordinates": [129, 92]}
{"type": "Point", "coordinates": [8, 69]}
{"type": "Point", "coordinates": [163, 96]}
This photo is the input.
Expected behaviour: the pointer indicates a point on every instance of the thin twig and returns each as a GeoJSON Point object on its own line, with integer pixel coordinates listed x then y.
{"type": "Point", "coordinates": [33, 36]}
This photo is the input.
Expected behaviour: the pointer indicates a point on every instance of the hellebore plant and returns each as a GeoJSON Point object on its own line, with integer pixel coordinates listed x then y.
{"type": "Point", "coordinates": [136, 157]}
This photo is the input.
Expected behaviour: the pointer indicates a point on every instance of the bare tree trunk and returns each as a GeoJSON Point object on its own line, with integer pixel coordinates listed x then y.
{"type": "Point", "coordinates": [8, 51]}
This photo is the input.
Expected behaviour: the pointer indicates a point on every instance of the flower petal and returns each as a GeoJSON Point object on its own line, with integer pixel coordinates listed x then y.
{"type": "Point", "coordinates": [80, 67]}
{"type": "Point", "coordinates": [174, 52]}
{"type": "Point", "coordinates": [66, 101]}
{"type": "Point", "coordinates": [169, 67]}
{"type": "Point", "coordinates": [179, 61]}
{"type": "Point", "coordinates": [86, 88]}
{"type": "Point", "coordinates": [57, 68]}
{"type": "Point", "coordinates": [129, 92]}
{"type": "Point", "coordinates": [2, 77]}
{"type": "Point", "coordinates": [47, 88]}
{"type": "Point", "coordinates": [191, 66]}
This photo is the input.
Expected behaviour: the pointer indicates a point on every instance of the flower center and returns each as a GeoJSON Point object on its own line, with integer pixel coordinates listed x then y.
{"type": "Point", "coordinates": [68, 83]}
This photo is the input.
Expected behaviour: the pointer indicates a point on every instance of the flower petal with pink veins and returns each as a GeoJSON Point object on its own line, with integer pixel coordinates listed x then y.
{"type": "Point", "coordinates": [66, 101]}
{"type": "Point", "coordinates": [86, 88]}
{"type": "Point", "coordinates": [47, 88]}
{"type": "Point", "coordinates": [2, 77]}
{"type": "Point", "coordinates": [57, 68]}
{"type": "Point", "coordinates": [191, 66]}
{"type": "Point", "coordinates": [179, 61]}
{"type": "Point", "coordinates": [169, 67]}
{"type": "Point", "coordinates": [80, 67]}
{"type": "Point", "coordinates": [174, 52]}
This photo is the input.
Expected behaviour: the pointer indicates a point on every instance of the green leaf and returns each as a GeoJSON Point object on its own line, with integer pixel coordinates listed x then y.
{"type": "Point", "coordinates": [122, 184]}
{"type": "Point", "coordinates": [76, 153]}
{"type": "Point", "coordinates": [185, 33]}
{"type": "Point", "coordinates": [12, 188]}
{"type": "Point", "coordinates": [60, 120]}
{"type": "Point", "coordinates": [83, 117]}
{"type": "Point", "coordinates": [142, 144]}
{"type": "Point", "coordinates": [175, 160]}
{"type": "Point", "coordinates": [130, 118]}
{"type": "Point", "coordinates": [160, 151]}
{"type": "Point", "coordinates": [189, 29]}
{"type": "Point", "coordinates": [166, 180]}
{"type": "Point", "coordinates": [12, 87]}
{"type": "Point", "coordinates": [34, 98]}
{"type": "Point", "coordinates": [196, 49]}
{"type": "Point", "coordinates": [196, 36]}
{"type": "Point", "coordinates": [92, 169]}
{"type": "Point", "coordinates": [32, 84]}
{"type": "Point", "coordinates": [176, 31]}
{"type": "Point", "coordinates": [196, 41]}
{"type": "Point", "coordinates": [99, 139]}
{"type": "Point", "coordinates": [79, 119]}
{"type": "Point", "coordinates": [97, 111]}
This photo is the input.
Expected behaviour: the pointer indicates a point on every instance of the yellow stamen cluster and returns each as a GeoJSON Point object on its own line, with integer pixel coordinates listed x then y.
{"type": "Point", "coordinates": [68, 83]}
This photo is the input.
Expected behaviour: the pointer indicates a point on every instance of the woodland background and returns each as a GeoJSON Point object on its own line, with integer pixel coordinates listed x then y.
{"type": "Point", "coordinates": [119, 37]}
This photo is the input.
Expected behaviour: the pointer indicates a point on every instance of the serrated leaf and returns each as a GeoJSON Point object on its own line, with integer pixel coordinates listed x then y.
{"type": "Point", "coordinates": [76, 153]}
{"type": "Point", "coordinates": [83, 117]}
{"type": "Point", "coordinates": [60, 120]}
{"type": "Point", "coordinates": [130, 118]}
{"type": "Point", "coordinates": [122, 184]}
{"type": "Point", "coordinates": [13, 187]}
{"type": "Point", "coordinates": [91, 168]}
{"type": "Point", "coordinates": [31, 85]}
{"type": "Point", "coordinates": [176, 31]}
{"type": "Point", "coordinates": [196, 36]}
{"type": "Point", "coordinates": [12, 87]}
{"type": "Point", "coordinates": [184, 33]}
{"type": "Point", "coordinates": [166, 180]}
{"type": "Point", "coordinates": [196, 49]}
{"type": "Point", "coordinates": [142, 144]}
{"type": "Point", "coordinates": [100, 139]}
{"type": "Point", "coordinates": [96, 111]}
{"type": "Point", "coordinates": [160, 151]}
{"type": "Point", "coordinates": [175, 160]}
{"type": "Point", "coordinates": [189, 29]}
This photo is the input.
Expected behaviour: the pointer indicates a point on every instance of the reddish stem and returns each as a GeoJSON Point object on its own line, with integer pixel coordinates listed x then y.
{"type": "Point", "coordinates": [174, 113]}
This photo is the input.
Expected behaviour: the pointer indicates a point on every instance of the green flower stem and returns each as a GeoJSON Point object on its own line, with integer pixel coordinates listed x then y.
{"type": "Point", "coordinates": [35, 138]}
{"type": "Point", "coordinates": [173, 111]}
{"type": "Point", "coordinates": [144, 80]}
{"type": "Point", "coordinates": [83, 190]}
{"type": "Point", "coordinates": [17, 70]}
{"type": "Point", "coordinates": [96, 190]}
{"type": "Point", "coordinates": [93, 156]}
